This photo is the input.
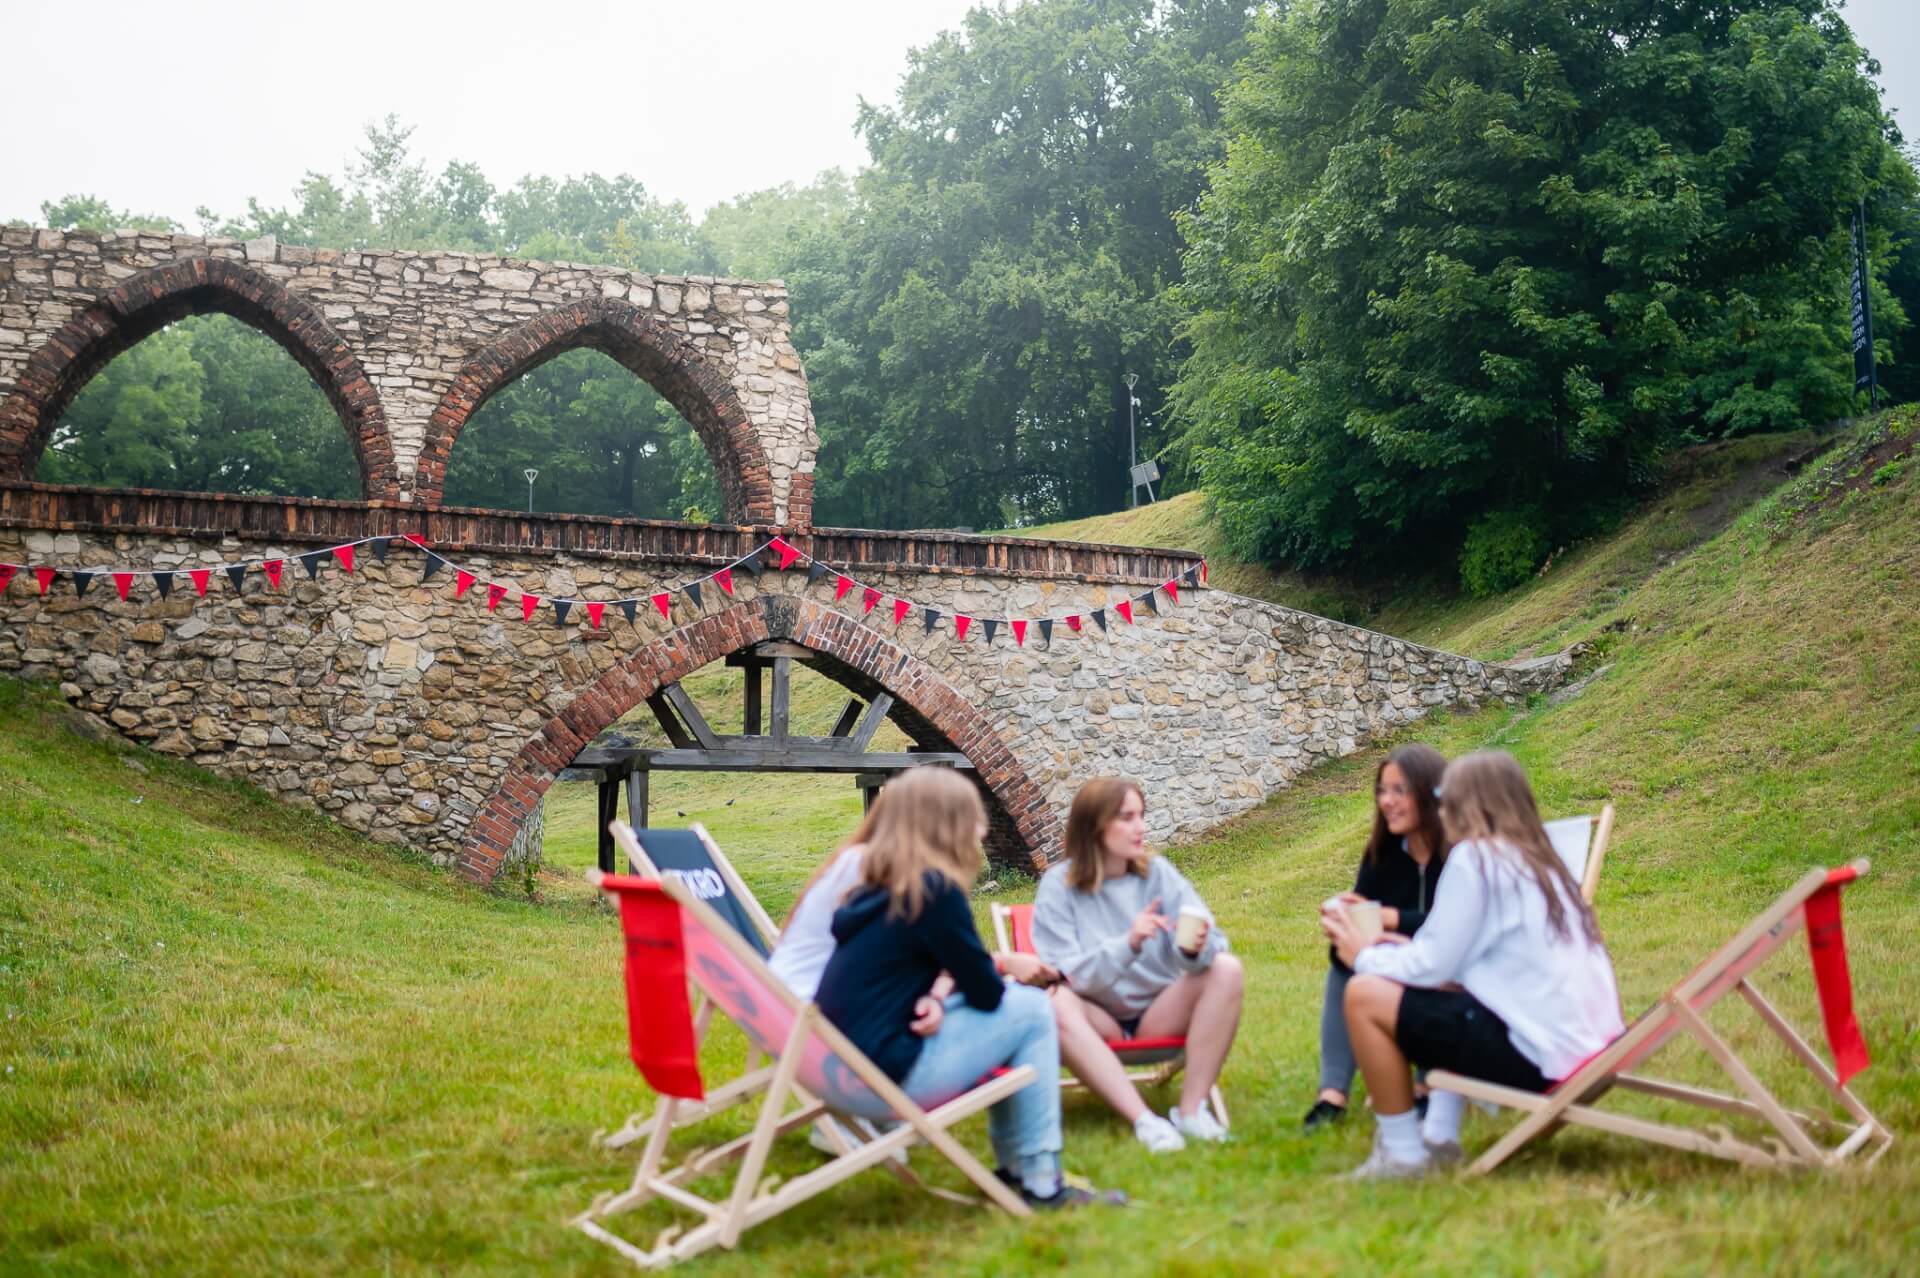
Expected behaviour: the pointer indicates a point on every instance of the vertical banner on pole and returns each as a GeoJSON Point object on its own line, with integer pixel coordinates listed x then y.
{"type": "Point", "coordinates": [1865, 377]}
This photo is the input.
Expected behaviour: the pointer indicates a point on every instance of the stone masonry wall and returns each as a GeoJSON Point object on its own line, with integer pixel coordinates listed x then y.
{"type": "Point", "coordinates": [408, 344]}
{"type": "Point", "coordinates": [425, 720]}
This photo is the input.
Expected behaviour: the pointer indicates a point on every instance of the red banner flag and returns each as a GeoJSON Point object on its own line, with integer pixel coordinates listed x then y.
{"type": "Point", "coordinates": [527, 604]}
{"type": "Point", "coordinates": [462, 582]}
{"type": "Point", "coordinates": [900, 609]}
{"type": "Point", "coordinates": [495, 593]}
{"type": "Point", "coordinates": [659, 1022]}
{"type": "Point", "coordinates": [200, 578]}
{"type": "Point", "coordinates": [663, 601]}
{"type": "Point", "coordinates": [960, 625]}
{"type": "Point", "coordinates": [1203, 572]}
{"type": "Point", "coordinates": [345, 555]}
{"type": "Point", "coordinates": [6, 574]}
{"type": "Point", "coordinates": [1073, 623]}
{"type": "Point", "coordinates": [1173, 590]}
{"type": "Point", "coordinates": [1827, 944]}
{"type": "Point", "coordinates": [787, 553]}
{"type": "Point", "coordinates": [841, 585]}
{"type": "Point", "coordinates": [45, 577]}
{"type": "Point", "coordinates": [272, 568]}
{"type": "Point", "coordinates": [1125, 609]}
{"type": "Point", "coordinates": [123, 582]}
{"type": "Point", "coordinates": [868, 599]}
{"type": "Point", "coordinates": [725, 578]}
{"type": "Point", "coordinates": [1019, 632]}
{"type": "Point", "coordinates": [594, 611]}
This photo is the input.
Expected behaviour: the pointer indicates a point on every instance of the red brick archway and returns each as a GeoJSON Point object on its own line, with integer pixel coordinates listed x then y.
{"type": "Point", "coordinates": [678, 654]}
{"type": "Point", "coordinates": [142, 305]}
{"type": "Point", "coordinates": [683, 375]}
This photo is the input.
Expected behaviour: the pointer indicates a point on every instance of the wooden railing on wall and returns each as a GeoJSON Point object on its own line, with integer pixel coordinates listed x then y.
{"type": "Point", "coordinates": [287, 520]}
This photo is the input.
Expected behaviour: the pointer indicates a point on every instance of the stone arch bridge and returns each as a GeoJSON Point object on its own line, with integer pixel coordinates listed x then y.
{"type": "Point", "coordinates": [423, 718]}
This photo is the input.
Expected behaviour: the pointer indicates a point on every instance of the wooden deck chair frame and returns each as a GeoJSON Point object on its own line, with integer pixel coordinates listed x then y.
{"type": "Point", "coordinates": [1682, 1010]}
{"type": "Point", "coordinates": [1147, 1066]}
{"type": "Point", "coordinates": [1600, 834]}
{"type": "Point", "coordinates": [749, 1203]}
{"type": "Point", "coordinates": [757, 1075]}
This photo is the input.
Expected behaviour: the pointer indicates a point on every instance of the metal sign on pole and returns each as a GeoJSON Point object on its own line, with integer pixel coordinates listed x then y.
{"type": "Point", "coordinates": [1143, 475]}
{"type": "Point", "coordinates": [1865, 376]}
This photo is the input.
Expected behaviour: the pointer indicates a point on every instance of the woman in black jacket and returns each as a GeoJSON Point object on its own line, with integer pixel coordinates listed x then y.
{"type": "Point", "coordinates": [1400, 870]}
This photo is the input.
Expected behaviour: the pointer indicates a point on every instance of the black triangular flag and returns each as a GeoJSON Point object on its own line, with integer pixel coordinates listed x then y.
{"type": "Point", "coordinates": [632, 608]}
{"type": "Point", "coordinates": [1152, 602]}
{"type": "Point", "coordinates": [932, 616]}
{"type": "Point", "coordinates": [752, 564]}
{"type": "Point", "coordinates": [81, 580]}
{"type": "Point", "coordinates": [990, 624]}
{"type": "Point", "coordinates": [815, 571]}
{"type": "Point", "coordinates": [693, 592]}
{"type": "Point", "coordinates": [434, 564]}
{"type": "Point", "coordinates": [311, 562]}
{"type": "Point", "coordinates": [1046, 633]}
{"type": "Point", "coordinates": [1100, 618]}
{"type": "Point", "coordinates": [238, 574]}
{"type": "Point", "coordinates": [1191, 576]}
{"type": "Point", "coordinates": [560, 609]}
{"type": "Point", "coordinates": [164, 582]}
{"type": "Point", "coordinates": [380, 548]}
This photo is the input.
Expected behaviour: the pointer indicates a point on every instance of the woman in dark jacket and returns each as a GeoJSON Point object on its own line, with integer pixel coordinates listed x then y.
{"type": "Point", "coordinates": [1400, 870]}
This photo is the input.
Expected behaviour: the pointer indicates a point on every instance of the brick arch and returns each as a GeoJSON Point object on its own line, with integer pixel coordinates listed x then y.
{"type": "Point", "coordinates": [695, 385]}
{"type": "Point", "coordinates": [142, 305]}
{"type": "Point", "coordinates": [932, 707]}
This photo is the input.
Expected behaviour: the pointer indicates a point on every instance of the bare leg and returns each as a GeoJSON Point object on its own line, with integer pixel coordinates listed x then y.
{"type": "Point", "coordinates": [1204, 1006]}
{"type": "Point", "coordinates": [1084, 1031]}
{"type": "Point", "coordinates": [1373, 1008]}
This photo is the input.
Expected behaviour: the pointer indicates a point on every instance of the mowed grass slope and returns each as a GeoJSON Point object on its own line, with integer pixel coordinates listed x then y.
{"type": "Point", "coordinates": [241, 1040]}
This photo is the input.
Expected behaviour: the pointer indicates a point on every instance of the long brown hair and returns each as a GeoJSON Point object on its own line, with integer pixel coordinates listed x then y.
{"type": "Point", "coordinates": [1093, 810]}
{"type": "Point", "coordinates": [1485, 795]}
{"type": "Point", "coordinates": [860, 835]}
{"type": "Point", "coordinates": [1422, 766]}
{"type": "Point", "coordinates": [928, 819]}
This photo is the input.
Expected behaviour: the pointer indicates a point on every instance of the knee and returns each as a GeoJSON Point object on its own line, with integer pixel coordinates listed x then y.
{"type": "Point", "coordinates": [1025, 1004]}
{"type": "Point", "coordinates": [1066, 1006]}
{"type": "Point", "coordinates": [1370, 997]}
{"type": "Point", "coordinates": [1228, 971]}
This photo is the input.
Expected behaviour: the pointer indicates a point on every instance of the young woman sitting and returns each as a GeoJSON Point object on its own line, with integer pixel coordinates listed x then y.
{"type": "Point", "coordinates": [1400, 870]}
{"type": "Point", "coordinates": [1508, 980]}
{"type": "Point", "coordinates": [1105, 918]}
{"type": "Point", "coordinates": [906, 922]}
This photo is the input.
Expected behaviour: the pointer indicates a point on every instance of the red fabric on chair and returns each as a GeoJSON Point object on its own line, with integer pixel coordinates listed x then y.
{"type": "Point", "coordinates": [1827, 944]}
{"type": "Point", "coordinates": [659, 1022]}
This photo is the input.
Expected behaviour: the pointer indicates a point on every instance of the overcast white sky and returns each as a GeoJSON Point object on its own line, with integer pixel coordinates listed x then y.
{"type": "Point", "coordinates": [164, 107]}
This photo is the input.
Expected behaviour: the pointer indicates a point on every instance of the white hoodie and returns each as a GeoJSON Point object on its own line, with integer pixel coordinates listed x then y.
{"type": "Point", "coordinates": [1488, 932]}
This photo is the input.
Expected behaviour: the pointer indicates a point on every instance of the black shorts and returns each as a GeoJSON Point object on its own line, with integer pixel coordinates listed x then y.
{"type": "Point", "coordinates": [1451, 1029]}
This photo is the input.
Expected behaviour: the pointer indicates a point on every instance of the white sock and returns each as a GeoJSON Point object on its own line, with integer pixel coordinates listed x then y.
{"type": "Point", "coordinates": [1040, 1173]}
{"type": "Point", "coordinates": [1444, 1111]}
{"type": "Point", "coordinates": [1400, 1134]}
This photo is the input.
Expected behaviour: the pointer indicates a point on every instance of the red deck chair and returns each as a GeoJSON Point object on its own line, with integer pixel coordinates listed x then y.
{"type": "Point", "coordinates": [1813, 903]}
{"type": "Point", "coordinates": [816, 1070]}
{"type": "Point", "coordinates": [1151, 1061]}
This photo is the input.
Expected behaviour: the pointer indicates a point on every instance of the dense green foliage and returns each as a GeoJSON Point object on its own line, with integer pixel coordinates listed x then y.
{"type": "Point", "coordinates": [1497, 259]}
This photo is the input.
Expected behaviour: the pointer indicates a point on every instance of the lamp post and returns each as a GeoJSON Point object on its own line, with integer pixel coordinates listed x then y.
{"type": "Point", "coordinates": [532, 474]}
{"type": "Point", "coordinates": [1133, 489]}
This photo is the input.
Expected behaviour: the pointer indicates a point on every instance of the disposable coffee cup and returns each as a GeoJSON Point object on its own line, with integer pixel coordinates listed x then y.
{"type": "Point", "coordinates": [1365, 918]}
{"type": "Point", "coordinates": [1186, 933]}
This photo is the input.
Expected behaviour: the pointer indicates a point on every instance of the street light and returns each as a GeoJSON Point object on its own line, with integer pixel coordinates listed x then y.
{"type": "Point", "coordinates": [531, 474]}
{"type": "Point", "coordinates": [1133, 488]}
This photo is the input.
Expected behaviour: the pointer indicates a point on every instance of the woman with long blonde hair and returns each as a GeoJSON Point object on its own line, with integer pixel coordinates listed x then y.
{"type": "Point", "coordinates": [1507, 981]}
{"type": "Point", "coordinates": [906, 923]}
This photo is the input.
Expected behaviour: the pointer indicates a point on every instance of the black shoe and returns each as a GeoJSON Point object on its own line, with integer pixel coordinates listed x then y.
{"type": "Point", "coordinates": [1066, 1196]}
{"type": "Point", "coordinates": [1323, 1113]}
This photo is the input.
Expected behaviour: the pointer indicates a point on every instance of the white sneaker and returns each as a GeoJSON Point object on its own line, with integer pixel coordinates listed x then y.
{"type": "Point", "coordinates": [1201, 1126]}
{"type": "Point", "coordinates": [1157, 1134]}
{"type": "Point", "coordinates": [1382, 1166]}
{"type": "Point", "coordinates": [1443, 1153]}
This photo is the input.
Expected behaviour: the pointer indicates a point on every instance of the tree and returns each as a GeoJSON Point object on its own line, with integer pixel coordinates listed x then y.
{"type": "Point", "coordinates": [1482, 267]}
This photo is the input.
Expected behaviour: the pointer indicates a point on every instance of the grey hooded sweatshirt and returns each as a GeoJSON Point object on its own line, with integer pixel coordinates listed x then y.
{"type": "Point", "coordinates": [1084, 934]}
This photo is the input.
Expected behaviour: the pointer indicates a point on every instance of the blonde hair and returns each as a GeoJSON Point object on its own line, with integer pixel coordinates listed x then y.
{"type": "Point", "coordinates": [1094, 808]}
{"type": "Point", "coordinates": [1485, 796]}
{"type": "Point", "coordinates": [860, 835]}
{"type": "Point", "coordinates": [928, 820]}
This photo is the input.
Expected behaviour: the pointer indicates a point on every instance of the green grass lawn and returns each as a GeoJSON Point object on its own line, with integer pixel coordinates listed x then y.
{"type": "Point", "coordinates": [238, 1039]}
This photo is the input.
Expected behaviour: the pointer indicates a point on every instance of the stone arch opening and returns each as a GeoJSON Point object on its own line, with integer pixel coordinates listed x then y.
{"type": "Point", "coordinates": [145, 303]}
{"type": "Point", "coordinates": [674, 367]}
{"type": "Point", "coordinates": [926, 708]}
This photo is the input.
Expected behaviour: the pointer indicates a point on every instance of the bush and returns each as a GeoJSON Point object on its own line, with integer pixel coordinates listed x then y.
{"type": "Point", "coordinates": [1501, 551]}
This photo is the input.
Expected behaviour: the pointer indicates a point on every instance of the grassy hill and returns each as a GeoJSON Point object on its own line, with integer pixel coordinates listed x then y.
{"type": "Point", "coordinates": [238, 1040]}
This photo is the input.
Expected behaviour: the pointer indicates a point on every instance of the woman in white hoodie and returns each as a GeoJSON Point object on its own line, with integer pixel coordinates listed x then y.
{"type": "Point", "coordinates": [1507, 980]}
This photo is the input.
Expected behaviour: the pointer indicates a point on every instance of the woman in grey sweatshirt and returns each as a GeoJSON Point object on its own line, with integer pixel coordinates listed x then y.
{"type": "Point", "coordinates": [1106, 918]}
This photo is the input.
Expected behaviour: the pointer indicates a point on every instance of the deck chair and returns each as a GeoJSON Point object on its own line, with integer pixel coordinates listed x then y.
{"type": "Point", "coordinates": [1581, 842]}
{"type": "Point", "coordinates": [815, 1069]}
{"type": "Point", "coordinates": [1149, 1061]}
{"type": "Point", "coordinates": [692, 857]}
{"type": "Point", "coordinates": [1682, 1010]}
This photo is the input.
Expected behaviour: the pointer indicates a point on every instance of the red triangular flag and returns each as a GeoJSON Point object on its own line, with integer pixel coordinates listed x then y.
{"type": "Point", "coordinates": [527, 604]}
{"type": "Point", "coordinates": [841, 585]}
{"type": "Point", "coordinates": [272, 568]}
{"type": "Point", "coordinates": [594, 610]}
{"type": "Point", "coordinates": [663, 601]}
{"type": "Point", "coordinates": [416, 539]}
{"type": "Point", "coordinates": [45, 577]}
{"type": "Point", "coordinates": [900, 609]}
{"type": "Point", "coordinates": [1019, 632]}
{"type": "Point", "coordinates": [1125, 609]}
{"type": "Point", "coordinates": [462, 582]}
{"type": "Point", "coordinates": [787, 553]}
{"type": "Point", "coordinates": [345, 555]}
{"type": "Point", "coordinates": [725, 578]}
{"type": "Point", "coordinates": [200, 577]}
{"type": "Point", "coordinates": [1073, 623]}
{"type": "Point", "coordinates": [122, 582]}
{"type": "Point", "coordinates": [960, 625]}
{"type": "Point", "coordinates": [868, 599]}
{"type": "Point", "coordinates": [6, 574]}
{"type": "Point", "coordinates": [495, 593]}
{"type": "Point", "coordinates": [1173, 590]}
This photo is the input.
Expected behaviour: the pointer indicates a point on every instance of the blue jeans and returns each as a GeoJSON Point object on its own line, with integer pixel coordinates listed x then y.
{"type": "Point", "coordinates": [970, 1042]}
